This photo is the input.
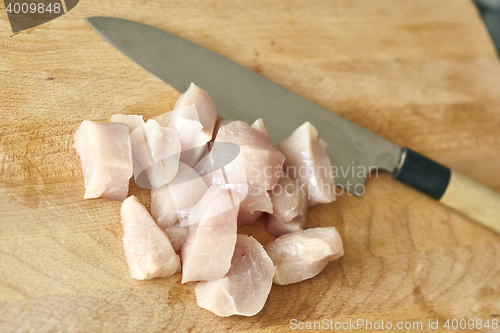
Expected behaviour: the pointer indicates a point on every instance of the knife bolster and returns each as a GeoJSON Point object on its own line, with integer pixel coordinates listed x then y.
{"type": "Point", "coordinates": [422, 173]}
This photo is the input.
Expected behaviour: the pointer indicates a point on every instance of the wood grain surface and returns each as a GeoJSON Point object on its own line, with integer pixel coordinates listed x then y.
{"type": "Point", "coordinates": [420, 73]}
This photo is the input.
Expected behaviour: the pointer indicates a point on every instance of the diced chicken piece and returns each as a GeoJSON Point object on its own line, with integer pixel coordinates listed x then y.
{"type": "Point", "coordinates": [132, 121]}
{"type": "Point", "coordinates": [254, 170]}
{"type": "Point", "coordinates": [306, 160]}
{"type": "Point", "coordinates": [177, 235]}
{"type": "Point", "coordinates": [302, 255]}
{"type": "Point", "coordinates": [258, 165]}
{"type": "Point", "coordinates": [212, 167]}
{"type": "Point", "coordinates": [163, 207]}
{"type": "Point", "coordinates": [206, 253]}
{"type": "Point", "coordinates": [148, 250]}
{"type": "Point", "coordinates": [245, 217]}
{"type": "Point", "coordinates": [174, 201]}
{"type": "Point", "coordinates": [207, 114]}
{"type": "Point", "coordinates": [186, 189]}
{"type": "Point", "coordinates": [156, 152]}
{"type": "Point", "coordinates": [163, 119]}
{"type": "Point", "coordinates": [255, 202]}
{"type": "Point", "coordinates": [289, 203]}
{"type": "Point", "coordinates": [245, 288]}
{"type": "Point", "coordinates": [164, 147]}
{"type": "Point", "coordinates": [262, 162]}
{"type": "Point", "coordinates": [259, 126]}
{"type": "Point", "coordinates": [193, 139]}
{"type": "Point", "coordinates": [106, 157]}
{"type": "Point", "coordinates": [193, 117]}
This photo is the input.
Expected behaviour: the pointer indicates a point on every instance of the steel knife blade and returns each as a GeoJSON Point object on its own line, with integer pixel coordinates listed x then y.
{"type": "Point", "coordinates": [239, 93]}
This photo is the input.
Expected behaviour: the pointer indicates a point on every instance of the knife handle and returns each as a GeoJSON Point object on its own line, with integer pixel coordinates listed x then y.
{"type": "Point", "coordinates": [451, 188]}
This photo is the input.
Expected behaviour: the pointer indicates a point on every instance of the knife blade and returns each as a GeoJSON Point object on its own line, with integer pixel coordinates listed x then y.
{"type": "Point", "coordinates": [239, 93]}
{"type": "Point", "coordinates": [178, 62]}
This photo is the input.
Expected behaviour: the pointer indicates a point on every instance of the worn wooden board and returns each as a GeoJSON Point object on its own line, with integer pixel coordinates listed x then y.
{"type": "Point", "coordinates": [420, 73]}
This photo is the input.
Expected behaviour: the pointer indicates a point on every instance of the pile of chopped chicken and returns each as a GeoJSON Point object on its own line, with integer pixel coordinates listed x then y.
{"type": "Point", "coordinates": [205, 180]}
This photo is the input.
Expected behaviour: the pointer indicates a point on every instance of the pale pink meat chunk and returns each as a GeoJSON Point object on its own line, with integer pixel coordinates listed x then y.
{"type": "Point", "coordinates": [147, 248]}
{"type": "Point", "coordinates": [207, 114]}
{"type": "Point", "coordinates": [246, 217]}
{"type": "Point", "coordinates": [187, 188]}
{"type": "Point", "coordinates": [206, 253]}
{"type": "Point", "coordinates": [289, 203]}
{"type": "Point", "coordinates": [177, 235]}
{"type": "Point", "coordinates": [193, 117]}
{"type": "Point", "coordinates": [306, 160]}
{"type": "Point", "coordinates": [229, 173]}
{"type": "Point", "coordinates": [163, 207]}
{"type": "Point", "coordinates": [256, 201]}
{"type": "Point", "coordinates": [156, 152]}
{"type": "Point", "coordinates": [164, 147]}
{"type": "Point", "coordinates": [245, 288]}
{"type": "Point", "coordinates": [302, 255]}
{"type": "Point", "coordinates": [261, 161]}
{"type": "Point", "coordinates": [259, 126]}
{"type": "Point", "coordinates": [106, 157]}
{"type": "Point", "coordinates": [132, 121]}
{"type": "Point", "coordinates": [192, 137]}
{"type": "Point", "coordinates": [258, 165]}
{"type": "Point", "coordinates": [163, 119]}
{"type": "Point", "coordinates": [174, 201]}
{"type": "Point", "coordinates": [214, 171]}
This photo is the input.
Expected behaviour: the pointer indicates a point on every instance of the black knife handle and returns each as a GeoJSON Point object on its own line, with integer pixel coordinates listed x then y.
{"type": "Point", "coordinates": [423, 174]}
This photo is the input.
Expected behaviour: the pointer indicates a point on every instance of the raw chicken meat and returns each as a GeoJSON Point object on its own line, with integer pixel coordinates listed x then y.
{"type": "Point", "coordinates": [206, 253]}
{"type": "Point", "coordinates": [163, 207]}
{"type": "Point", "coordinates": [246, 217]}
{"type": "Point", "coordinates": [156, 152]}
{"type": "Point", "coordinates": [193, 139]}
{"type": "Point", "coordinates": [253, 172]}
{"type": "Point", "coordinates": [147, 248]}
{"type": "Point", "coordinates": [259, 126]}
{"type": "Point", "coordinates": [174, 201]}
{"type": "Point", "coordinates": [306, 160]}
{"type": "Point", "coordinates": [212, 166]}
{"type": "Point", "coordinates": [213, 171]}
{"type": "Point", "coordinates": [255, 202]}
{"type": "Point", "coordinates": [193, 117]}
{"type": "Point", "coordinates": [177, 235]}
{"type": "Point", "coordinates": [132, 121]}
{"type": "Point", "coordinates": [207, 177]}
{"type": "Point", "coordinates": [207, 114]}
{"type": "Point", "coordinates": [289, 203]}
{"type": "Point", "coordinates": [245, 288]}
{"type": "Point", "coordinates": [106, 157]}
{"type": "Point", "coordinates": [187, 188]}
{"type": "Point", "coordinates": [163, 119]}
{"type": "Point", "coordinates": [302, 255]}
{"type": "Point", "coordinates": [261, 161]}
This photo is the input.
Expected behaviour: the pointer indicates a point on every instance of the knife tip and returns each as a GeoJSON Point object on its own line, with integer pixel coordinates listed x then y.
{"type": "Point", "coordinates": [90, 21]}
{"type": "Point", "coordinates": [97, 23]}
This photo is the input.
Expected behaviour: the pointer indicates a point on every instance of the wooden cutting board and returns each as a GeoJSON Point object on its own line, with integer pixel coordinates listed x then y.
{"type": "Point", "coordinates": [420, 73]}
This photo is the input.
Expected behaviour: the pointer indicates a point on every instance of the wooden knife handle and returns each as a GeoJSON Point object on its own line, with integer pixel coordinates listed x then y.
{"type": "Point", "coordinates": [473, 200]}
{"type": "Point", "coordinates": [451, 188]}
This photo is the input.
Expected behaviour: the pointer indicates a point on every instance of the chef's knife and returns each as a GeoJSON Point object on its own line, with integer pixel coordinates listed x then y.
{"type": "Point", "coordinates": [239, 93]}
